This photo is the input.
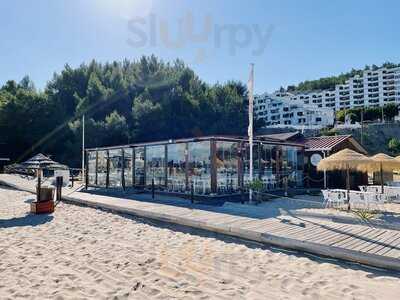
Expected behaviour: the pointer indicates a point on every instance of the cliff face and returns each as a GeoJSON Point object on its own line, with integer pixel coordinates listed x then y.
{"type": "Point", "coordinates": [375, 136]}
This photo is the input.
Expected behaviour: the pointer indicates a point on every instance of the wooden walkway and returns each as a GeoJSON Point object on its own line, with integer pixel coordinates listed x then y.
{"type": "Point", "coordinates": [357, 243]}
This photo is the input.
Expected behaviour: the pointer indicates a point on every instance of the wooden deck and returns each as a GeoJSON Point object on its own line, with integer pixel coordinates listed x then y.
{"type": "Point", "coordinates": [357, 243]}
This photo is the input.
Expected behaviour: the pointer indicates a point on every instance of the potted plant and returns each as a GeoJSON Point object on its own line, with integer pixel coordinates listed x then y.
{"type": "Point", "coordinates": [257, 187]}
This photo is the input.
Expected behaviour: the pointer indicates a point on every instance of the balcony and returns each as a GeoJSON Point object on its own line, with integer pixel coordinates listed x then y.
{"type": "Point", "coordinates": [373, 95]}
{"type": "Point", "coordinates": [388, 82]}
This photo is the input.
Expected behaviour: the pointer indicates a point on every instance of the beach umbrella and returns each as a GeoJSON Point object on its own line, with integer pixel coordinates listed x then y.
{"type": "Point", "coordinates": [347, 160]}
{"type": "Point", "coordinates": [383, 163]}
{"type": "Point", "coordinates": [39, 162]}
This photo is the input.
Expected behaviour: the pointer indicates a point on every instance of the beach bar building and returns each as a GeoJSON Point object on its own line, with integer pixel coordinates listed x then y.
{"type": "Point", "coordinates": [205, 166]}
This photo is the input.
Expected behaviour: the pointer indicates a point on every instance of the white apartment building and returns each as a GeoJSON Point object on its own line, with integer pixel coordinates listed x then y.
{"type": "Point", "coordinates": [278, 110]}
{"type": "Point", "coordinates": [373, 88]}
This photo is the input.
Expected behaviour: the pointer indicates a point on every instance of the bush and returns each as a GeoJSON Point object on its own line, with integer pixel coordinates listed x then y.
{"type": "Point", "coordinates": [394, 145]}
{"type": "Point", "coordinates": [370, 114]}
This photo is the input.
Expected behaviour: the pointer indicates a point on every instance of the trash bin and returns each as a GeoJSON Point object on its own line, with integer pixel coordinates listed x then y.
{"type": "Point", "coordinates": [45, 203]}
{"type": "Point", "coordinates": [46, 194]}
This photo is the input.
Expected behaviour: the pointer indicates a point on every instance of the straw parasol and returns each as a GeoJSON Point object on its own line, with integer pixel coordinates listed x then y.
{"type": "Point", "coordinates": [383, 163]}
{"type": "Point", "coordinates": [39, 162]}
{"type": "Point", "coordinates": [347, 160]}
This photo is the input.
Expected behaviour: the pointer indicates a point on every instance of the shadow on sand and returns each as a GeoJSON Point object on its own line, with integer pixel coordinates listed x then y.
{"type": "Point", "coordinates": [27, 220]}
{"type": "Point", "coordinates": [372, 271]}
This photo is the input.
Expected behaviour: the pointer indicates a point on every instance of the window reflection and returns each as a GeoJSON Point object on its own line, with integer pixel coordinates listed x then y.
{"type": "Point", "coordinates": [267, 166]}
{"type": "Point", "coordinates": [199, 166]}
{"type": "Point", "coordinates": [155, 165]}
{"type": "Point", "coordinates": [139, 166]}
{"type": "Point", "coordinates": [176, 167]}
{"type": "Point", "coordinates": [246, 163]}
{"type": "Point", "coordinates": [115, 175]}
{"type": "Point", "coordinates": [292, 165]}
{"type": "Point", "coordinates": [92, 167]}
{"type": "Point", "coordinates": [227, 167]}
{"type": "Point", "coordinates": [128, 156]}
{"type": "Point", "coordinates": [102, 168]}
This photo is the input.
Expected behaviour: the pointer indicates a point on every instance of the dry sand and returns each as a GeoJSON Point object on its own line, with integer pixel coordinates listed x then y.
{"type": "Point", "coordinates": [83, 253]}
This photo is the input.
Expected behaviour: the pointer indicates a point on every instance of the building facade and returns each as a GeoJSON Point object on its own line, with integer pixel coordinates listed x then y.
{"type": "Point", "coordinates": [278, 110]}
{"type": "Point", "coordinates": [374, 88]}
{"type": "Point", "coordinates": [206, 166]}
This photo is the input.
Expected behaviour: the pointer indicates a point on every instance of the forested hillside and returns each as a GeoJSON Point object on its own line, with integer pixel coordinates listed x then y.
{"type": "Point", "coordinates": [123, 102]}
{"type": "Point", "coordinates": [332, 81]}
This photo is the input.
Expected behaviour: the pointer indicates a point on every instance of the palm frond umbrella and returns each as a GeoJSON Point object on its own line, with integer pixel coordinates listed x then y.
{"type": "Point", "coordinates": [383, 163]}
{"type": "Point", "coordinates": [347, 160]}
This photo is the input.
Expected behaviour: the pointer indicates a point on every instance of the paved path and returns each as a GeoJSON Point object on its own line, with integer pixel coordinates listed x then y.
{"type": "Point", "coordinates": [358, 243]}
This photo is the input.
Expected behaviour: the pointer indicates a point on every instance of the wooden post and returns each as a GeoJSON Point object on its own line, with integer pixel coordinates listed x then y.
{"type": "Point", "coordinates": [348, 186]}
{"type": "Point", "coordinates": [166, 166]}
{"type": "Point", "coordinates": [123, 169]}
{"type": "Point", "coordinates": [39, 184]}
{"type": "Point", "coordinates": [191, 192]}
{"type": "Point", "coordinates": [381, 169]}
{"type": "Point", "coordinates": [240, 166]}
{"type": "Point", "coordinates": [133, 167]}
{"type": "Point", "coordinates": [186, 167]}
{"type": "Point", "coordinates": [152, 188]}
{"type": "Point", "coordinates": [97, 167]}
{"type": "Point", "coordinates": [86, 169]}
{"type": "Point", "coordinates": [144, 167]}
{"type": "Point", "coordinates": [108, 169]}
{"type": "Point", "coordinates": [213, 152]}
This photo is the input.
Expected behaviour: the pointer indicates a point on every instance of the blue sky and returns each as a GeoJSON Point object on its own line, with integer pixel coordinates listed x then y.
{"type": "Point", "coordinates": [305, 39]}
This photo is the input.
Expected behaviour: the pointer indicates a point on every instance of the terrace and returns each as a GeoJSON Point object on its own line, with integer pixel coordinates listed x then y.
{"type": "Point", "coordinates": [208, 166]}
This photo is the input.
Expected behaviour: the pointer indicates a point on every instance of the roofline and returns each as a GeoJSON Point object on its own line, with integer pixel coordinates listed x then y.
{"type": "Point", "coordinates": [197, 139]}
{"type": "Point", "coordinates": [359, 147]}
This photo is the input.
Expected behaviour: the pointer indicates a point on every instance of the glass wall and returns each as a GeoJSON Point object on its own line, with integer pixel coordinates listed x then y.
{"type": "Point", "coordinates": [199, 166]}
{"type": "Point", "coordinates": [155, 165]}
{"type": "Point", "coordinates": [139, 167]}
{"type": "Point", "coordinates": [92, 167]}
{"type": "Point", "coordinates": [267, 157]}
{"type": "Point", "coordinates": [102, 168]}
{"type": "Point", "coordinates": [115, 156]}
{"type": "Point", "coordinates": [227, 167]}
{"type": "Point", "coordinates": [176, 167]}
{"type": "Point", "coordinates": [292, 165]}
{"type": "Point", "coordinates": [128, 164]}
{"type": "Point", "coordinates": [246, 163]}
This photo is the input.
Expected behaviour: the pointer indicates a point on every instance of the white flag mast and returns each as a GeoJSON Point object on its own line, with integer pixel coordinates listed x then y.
{"type": "Point", "coordinates": [250, 87]}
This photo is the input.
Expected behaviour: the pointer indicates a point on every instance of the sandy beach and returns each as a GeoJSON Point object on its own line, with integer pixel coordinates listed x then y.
{"type": "Point", "coordinates": [84, 253]}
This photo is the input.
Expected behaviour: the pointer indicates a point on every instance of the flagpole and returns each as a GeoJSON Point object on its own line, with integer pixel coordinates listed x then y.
{"type": "Point", "coordinates": [83, 148]}
{"type": "Point", "coordinates": [250, 129]}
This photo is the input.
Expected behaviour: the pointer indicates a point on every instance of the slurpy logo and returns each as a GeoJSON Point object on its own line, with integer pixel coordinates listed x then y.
{"type": "Point", "coordinates": [155, 31]}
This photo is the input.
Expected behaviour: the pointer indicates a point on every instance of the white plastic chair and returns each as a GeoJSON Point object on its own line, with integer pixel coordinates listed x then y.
{"type": "Point", "coordinates": [336, 198]}
{"type": "Point", "coordinates": [325, 194]}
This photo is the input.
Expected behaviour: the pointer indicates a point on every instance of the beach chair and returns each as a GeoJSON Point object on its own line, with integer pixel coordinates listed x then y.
{"type": "Point", "coordinates": [325, 194]}
{"type": "Point", "coordinates": [363, 188]}
{"type": "Point", "coordinates": [392, 193]}
{"type": "Point", "coordinates": [359, 199]}
{"type": "Point", "coordinates": [336, 198]}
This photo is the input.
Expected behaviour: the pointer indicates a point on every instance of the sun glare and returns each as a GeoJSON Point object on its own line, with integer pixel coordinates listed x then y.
{"type": "Point", "coordinates": [125, 9]}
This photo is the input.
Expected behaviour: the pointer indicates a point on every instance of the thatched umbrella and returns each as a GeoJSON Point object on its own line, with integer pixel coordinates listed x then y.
{"type": "Point", "coordinates": [383, 163]}
{"type": "Point", "coordinates": [39, 162]}
{"type": "Point", "coordinates": [345, 160]}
